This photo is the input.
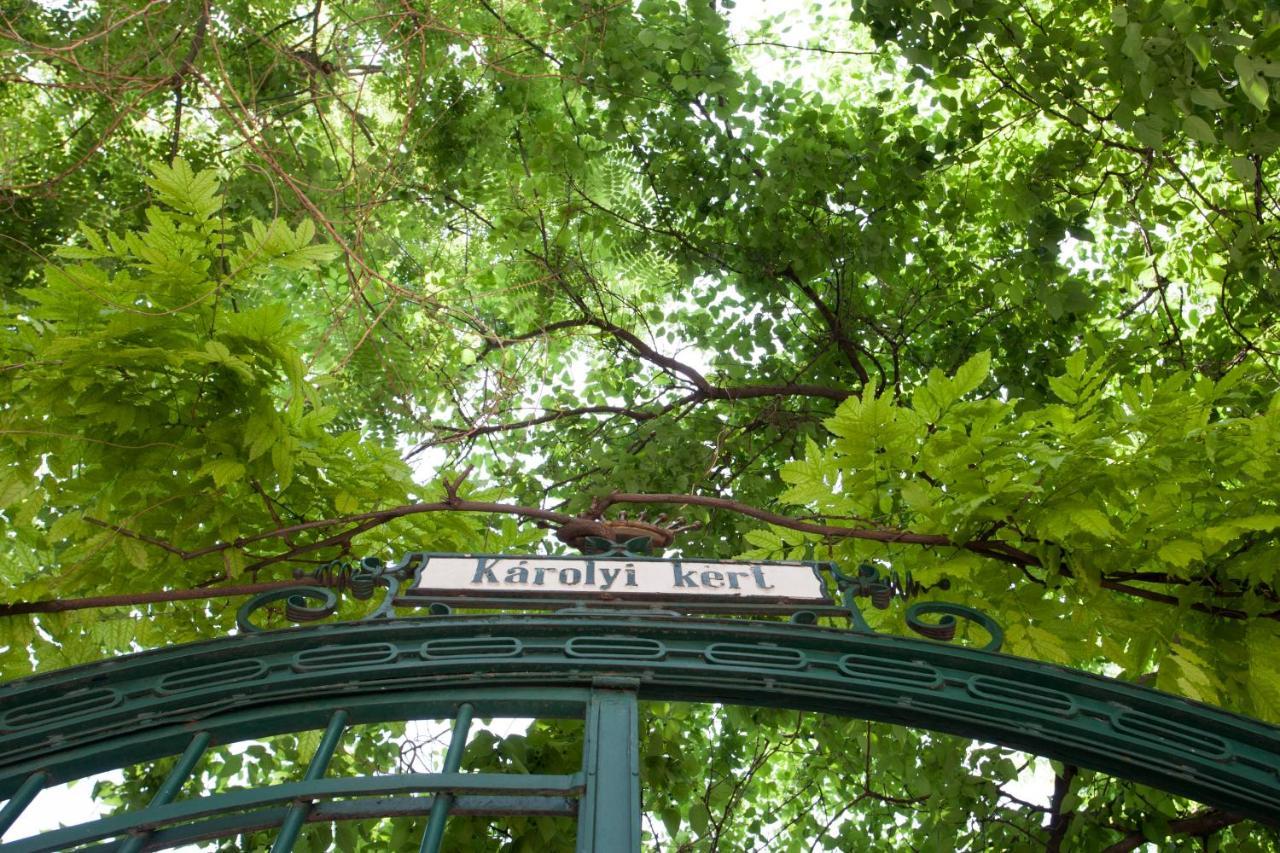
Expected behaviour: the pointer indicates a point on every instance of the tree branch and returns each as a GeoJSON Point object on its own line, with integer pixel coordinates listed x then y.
{"type": "Point", "coordinates": [847, 347]}
{"type": "Point", "coordinates": [363, 522]}
{"type": "Point", "coordinates": [1060, 821]}
{"type": "Point", "coordinates": [494, 342]}
{"type": "Point", "coordinates": [180, 78]}
{"type": "Point", "coordinates": [463, 433]}
{"type": "Point", "coordinates": [826, 50]}
{"type": "Point", "coordinates": [62, 605]}
{"type": "Point", "coordinates": [705, 389]}
{"type": "Point", "coordinates": [1204, 823]}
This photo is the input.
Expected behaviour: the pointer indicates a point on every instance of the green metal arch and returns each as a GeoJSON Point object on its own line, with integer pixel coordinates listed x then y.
{"type": "Point", "coordinates": [87, 719]}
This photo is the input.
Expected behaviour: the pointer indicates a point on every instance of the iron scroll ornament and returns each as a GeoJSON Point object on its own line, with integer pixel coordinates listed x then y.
{"type": "Point", "coordinates": [319, 600]}
{"type": "Point", "coordinates": [882, 589]}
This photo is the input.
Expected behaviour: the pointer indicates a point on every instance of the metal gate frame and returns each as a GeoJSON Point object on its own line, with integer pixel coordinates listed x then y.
{"type": "Point", "coordinates": [589, 665]}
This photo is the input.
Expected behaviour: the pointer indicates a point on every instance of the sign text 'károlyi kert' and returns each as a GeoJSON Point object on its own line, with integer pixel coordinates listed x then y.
{"type": "Point", "coordinates": [616, 577]}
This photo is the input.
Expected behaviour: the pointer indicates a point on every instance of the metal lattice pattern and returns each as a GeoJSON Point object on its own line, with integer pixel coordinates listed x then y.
{"type": "Point", "coordinates": [85, 720]}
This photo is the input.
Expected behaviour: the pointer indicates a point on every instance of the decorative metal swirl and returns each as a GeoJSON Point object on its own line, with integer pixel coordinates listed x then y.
{"type": "Point", "coordinates": [945, 627]}
{"type": "Point", "coordinates": [360, 579]}
{"type": "Point", "coordinates": [869, 582]}
{"type": "Point", "coordinates": [319, 599]}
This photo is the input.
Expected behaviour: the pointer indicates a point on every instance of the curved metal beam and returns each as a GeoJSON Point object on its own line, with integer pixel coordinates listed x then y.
{"type": "Point", "coordinates": [83, 720]}
{"type": "Point", "coordinates": [545, 792]}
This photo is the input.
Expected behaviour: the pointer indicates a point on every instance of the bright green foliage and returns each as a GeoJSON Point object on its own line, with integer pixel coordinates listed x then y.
{"type": "Point", "coordinates": [1165, 480]}
{"type": "Point", "coordinates": [162, 389]}
{"type": "Point", "coordinates": [1001, 274]}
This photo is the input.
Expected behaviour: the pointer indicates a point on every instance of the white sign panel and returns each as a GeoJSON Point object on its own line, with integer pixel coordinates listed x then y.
{"type": "Point", "coordinates": [616, 577]}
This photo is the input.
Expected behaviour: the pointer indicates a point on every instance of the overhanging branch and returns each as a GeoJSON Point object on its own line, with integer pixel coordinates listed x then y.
{"type": "Point", "coordinates": [705, 389]}
{"type": "Point", "coordinates": [364, 522]}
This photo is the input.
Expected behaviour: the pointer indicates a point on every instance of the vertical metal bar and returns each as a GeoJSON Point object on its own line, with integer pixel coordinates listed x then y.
{"type": "Point", "coordinates": [22, 798]}
{"type": "Point", "coordinates": [609, 812]}
{"type": "Point", "coordinates": [170, 787]}
{"type": "Point", "coordinates": [297, 814]}
{"type": "Point", "coordinates": [444, 801]}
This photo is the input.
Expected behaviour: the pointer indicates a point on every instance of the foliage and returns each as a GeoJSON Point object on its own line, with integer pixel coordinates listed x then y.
{"type": "Point", "coordinates": [999, 275]}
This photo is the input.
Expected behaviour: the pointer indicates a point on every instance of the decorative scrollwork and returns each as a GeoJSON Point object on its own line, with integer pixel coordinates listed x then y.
{"type": "Point", "coordinates": [945, 626]}
{"type": "Point", "coordinates": [296, 608]}
{"type": "Point", "coordinates": [882, 589]}
{"type": "Point", "coordinates": [329, 582]}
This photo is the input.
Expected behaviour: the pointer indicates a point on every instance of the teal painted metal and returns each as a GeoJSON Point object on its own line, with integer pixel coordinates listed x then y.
{"type": "Point", "coordinates": [170, 787]}
{"type": "Point", "coordinates": [452, 761]}
{"type": "Point", "coordinates": [87, 719]}
{"type": "Point", "coordinates": [548, 790]}
{"type": "Point", "coordinates": [293, 821]}
{"type": "Point", "coordinates": [21, 798]}
{"type": "Point", "coordinates": [228, 825]}
{"type": "Point", "coordinates": [869, 581]}
{"type": "Point", "coordinates": [609, 817]}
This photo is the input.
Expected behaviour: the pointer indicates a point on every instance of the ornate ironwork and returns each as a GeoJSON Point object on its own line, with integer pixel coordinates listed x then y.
{"type": "Point", "coordinates": [637, 536]}
{"type": "Point", "coordinates": [88, 719]}
{"type": "Point", "coordinates": [869, 581]}
{"type": "Point", "coordinates": [586, 662]}
{"type": "Point", "coordinates": [636, 546]}
{"type": "Point", "coordinates": [882, 589]}
{"type": "Point", "coordinates": [360, 578]}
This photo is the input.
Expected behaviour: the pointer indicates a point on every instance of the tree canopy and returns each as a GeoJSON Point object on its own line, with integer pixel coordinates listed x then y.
{"type": "Point", "coordinates": [982, 291]}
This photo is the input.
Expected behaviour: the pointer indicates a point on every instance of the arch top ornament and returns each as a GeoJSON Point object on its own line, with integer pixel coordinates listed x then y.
{"type": "Point", "coordinates": [414, 581]}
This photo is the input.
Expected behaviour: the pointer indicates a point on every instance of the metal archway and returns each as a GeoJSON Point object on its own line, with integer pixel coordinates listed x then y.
{"type": "Point", "coordinates": [596, 666]}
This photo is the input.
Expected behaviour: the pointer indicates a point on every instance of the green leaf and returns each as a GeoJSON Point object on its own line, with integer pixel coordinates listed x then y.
{"type": "Point", "coordinates": [1251, 82]}
{"type": "Point", "coordinates": [184, 190]}
{"type": "Point", "coordinates": [1181, 552]}
{"type": "Point", "coordinates": [1209, 98]}
{"type": "Point", "coordinates": [1199, 130]}
{"type": "Point", "coordinates": [1093, 522]}
{"type": "Point", "coordinates": [224, 471]}
{"type": "Point", "coordinates": [1200, 49]}
{"type": "Point", "coordinates": [972, 373]}
{"type": "Point", "coordinates": [135, 552]}
{"type": "Point", "coordinates": [1244, 169]}
{"type": "Point", "coordinates": [699, 818]}
{"type": "Point", "coordinates": [282, 461]}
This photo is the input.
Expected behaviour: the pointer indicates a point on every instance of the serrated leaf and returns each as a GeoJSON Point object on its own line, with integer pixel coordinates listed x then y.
{"type": "Point", "coordinates": [972, 373]}
{"type": "Point", "coordinates": [224, 471]}
{"type": "Point", "coordinates": [1263, 680]}
{"type": "Point", "coordinates": [1063, 388]}
{"type": "Point", "coordinates": [186, 191]}
{"type": "Point", "coordinates": [1181, 552]}
{"type": "Point", "coordinates": [282, 462]}
{"type": "Point", "coordinates": [671, 821]}
{"type": "Point", "coordinates": [699, 818]}
{"type": "Point", "coordinates": [134, 551]}
{"type": "Point", "coordinates": [1093, 522]}
{"type": "Point", "coordinates": [233, 560]}
{"type": "Point", "coordinates": [1244, 169]}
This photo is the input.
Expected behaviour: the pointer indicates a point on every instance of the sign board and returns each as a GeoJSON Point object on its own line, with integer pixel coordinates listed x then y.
{"type": "Point", "coordinates": [606, 578]}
